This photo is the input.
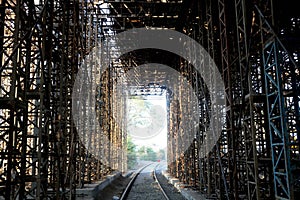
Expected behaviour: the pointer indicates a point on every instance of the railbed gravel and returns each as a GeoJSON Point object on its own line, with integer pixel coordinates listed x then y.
{"type": "Point", "coordinates": [169, 189]}
{"type": "Point", "coordinates": [145, 187]}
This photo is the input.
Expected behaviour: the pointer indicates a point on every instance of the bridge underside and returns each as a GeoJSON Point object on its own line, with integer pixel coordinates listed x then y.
{"type": "Point", "coordinates": [44, 44]}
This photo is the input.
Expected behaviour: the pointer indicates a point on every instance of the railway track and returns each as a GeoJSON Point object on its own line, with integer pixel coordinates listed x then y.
{"type": "Point", "coordinates": [145, 185]}
{"type": "Point", "coordinates": [159, 184]}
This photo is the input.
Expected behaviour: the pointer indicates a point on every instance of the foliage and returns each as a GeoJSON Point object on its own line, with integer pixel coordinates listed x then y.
{"type": "Point", "coordinates": [131, 154]}
{"type": "Point", "coordinates": [161, 154]}
{"type": "Point", "coordinates": [147, 153]}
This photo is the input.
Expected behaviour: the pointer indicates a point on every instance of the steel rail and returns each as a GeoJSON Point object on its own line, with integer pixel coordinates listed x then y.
{"type": "Point", "coordinates": [131, 182]}
{"type": "Point", "coordinates": [159, 185]}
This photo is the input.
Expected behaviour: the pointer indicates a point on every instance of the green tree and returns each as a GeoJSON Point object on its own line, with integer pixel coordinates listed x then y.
{"type": "Point", "coordinates": [147, 153]}
{"type": "Point", "coordinates": [131, 154]}
{"type": "Point", "coordinates": [161, 154]}
{"type": "Point", "coordinates": [151, 154]}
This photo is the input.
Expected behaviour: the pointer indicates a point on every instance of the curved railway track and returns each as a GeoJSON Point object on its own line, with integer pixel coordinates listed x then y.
{"type": "Point", "coordinates": [159, 185]}
{"type": "Point", "coordinates": [149, 184]}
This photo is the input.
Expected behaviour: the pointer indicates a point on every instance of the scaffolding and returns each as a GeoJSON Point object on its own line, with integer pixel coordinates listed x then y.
{"type": "Point", "coordinates": [44, 44]}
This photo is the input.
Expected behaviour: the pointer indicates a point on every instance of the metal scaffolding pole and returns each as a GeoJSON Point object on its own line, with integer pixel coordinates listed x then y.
{"type": "Point", "coordinates": [44, 44]}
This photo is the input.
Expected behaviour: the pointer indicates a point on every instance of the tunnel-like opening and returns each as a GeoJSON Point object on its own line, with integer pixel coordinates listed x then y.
{"type": "Point", "coordinates": [119, 75]}
{"type": "Point", "coordinates": [147, 124]}
{"type": "Point", "coordinates": [143, 93]}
